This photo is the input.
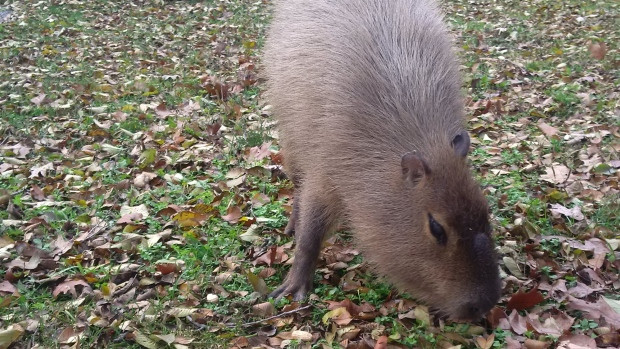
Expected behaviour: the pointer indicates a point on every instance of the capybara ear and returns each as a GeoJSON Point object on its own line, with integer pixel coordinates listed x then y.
{"type": "Point", "coordinates": [461, 143]}
{"type": "Point", "coordinates": [414, 167]}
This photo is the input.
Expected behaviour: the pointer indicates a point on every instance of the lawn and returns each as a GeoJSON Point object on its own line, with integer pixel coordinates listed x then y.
{"type": "Point", "coordinates": [142, 201]}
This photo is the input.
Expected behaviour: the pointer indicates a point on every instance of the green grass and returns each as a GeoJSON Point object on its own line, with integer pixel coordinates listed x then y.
{"type": "Point", "coordinates": [112, 63]}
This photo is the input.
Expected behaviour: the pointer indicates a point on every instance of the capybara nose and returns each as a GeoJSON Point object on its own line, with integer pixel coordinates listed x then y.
{"type": "Point", "coordinates": [476, 309]}
{"type": "Point", "coordinates": [473, 311]}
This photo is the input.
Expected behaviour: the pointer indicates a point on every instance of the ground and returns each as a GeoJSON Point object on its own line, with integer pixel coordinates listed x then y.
{"type": "Point", "coordinates": [142, 202]}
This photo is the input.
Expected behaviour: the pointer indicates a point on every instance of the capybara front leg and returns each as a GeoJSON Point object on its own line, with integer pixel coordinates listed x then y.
{"type": "Point", "coordinates": [292, 221]}
{"type": "Point", "coordinates": [313, 221]}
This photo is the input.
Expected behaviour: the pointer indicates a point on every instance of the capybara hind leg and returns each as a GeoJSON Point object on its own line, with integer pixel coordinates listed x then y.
{"type": "Point", "coordinates": [313, 221]}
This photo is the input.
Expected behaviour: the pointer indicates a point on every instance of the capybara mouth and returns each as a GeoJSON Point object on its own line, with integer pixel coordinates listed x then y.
{"type": "Point", "coordinates": [472, 312]}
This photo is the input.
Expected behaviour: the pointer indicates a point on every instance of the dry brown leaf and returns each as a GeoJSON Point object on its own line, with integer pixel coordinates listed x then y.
{"type": "Point", "coordinates": [7, 287]}
{"type": "Point", "coordinates": [72, 287]}
{"type": "Point", "coordinates": [10, 335]}
{"type": "Point", "coordinates": [554, 325]}
{"type": "Point", "coordinates": [339, 316]}
{"type": "Point", "coordinates": [275, 255]}
{"type": "Point", "coordinates": [38, 100]}
{"type": "Point", "coordinates": [260, 152]}
{"type": "Point", "coordinates": [517, 322]}
{"type": "Point", "coordinates": [556, 174]}
{"type": "Point", "coordinates": [525, 300]}
{"type": "Point", "coordinates": [233, 213]}
{"type": "Point", "coordinates": [130, 218]}
{"type": "Point", "coordinates": [548, 130]}
{"type": "Point", "coordinates": [485, 343]}
{"type": "Point", "coordinates": [381, 343]}
{"type": "Point", "coordinates": [535, 344]}
{"type": "Point", "coordinates": [576, 341]}
{"type": "Point", "coordinates": [598, 50]}
{"type": "Point", "coordinates": [70, 335]}
{"type": "Point", "coordinates": [265, 309]}
{"type": "Point", "coordinates": [595, 311]}
{"type": "Point", "coordinates": [301, 335]}
{"type": "Point", "coordinates": [37, 193]}
{"type": "Point", "coordinates": [557, 210]}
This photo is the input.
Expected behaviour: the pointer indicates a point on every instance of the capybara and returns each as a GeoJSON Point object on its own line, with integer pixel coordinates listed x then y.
{"type": "Point", "coordinates": [372, 131]}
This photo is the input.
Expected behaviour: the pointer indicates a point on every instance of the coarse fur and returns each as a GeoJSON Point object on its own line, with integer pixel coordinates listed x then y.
{"type": "Point", "coordinates": [370, 114]}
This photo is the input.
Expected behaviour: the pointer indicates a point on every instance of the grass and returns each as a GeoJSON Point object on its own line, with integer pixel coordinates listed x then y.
{"type": "Point", "coordinates": [117, 77]}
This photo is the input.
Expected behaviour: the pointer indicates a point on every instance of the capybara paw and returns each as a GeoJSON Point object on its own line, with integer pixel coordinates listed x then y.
{"type": "Point", "coordinates": [298, 290]}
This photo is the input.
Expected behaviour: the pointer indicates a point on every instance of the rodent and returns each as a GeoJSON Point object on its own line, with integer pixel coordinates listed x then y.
{"type": "Point", "coordinates": [372, 130]}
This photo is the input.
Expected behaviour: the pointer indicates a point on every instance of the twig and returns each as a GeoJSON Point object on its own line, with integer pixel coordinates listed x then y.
{"type": "Point", "coordinates": [248, 324]}
{"type": "Point", "coordinates": [198, 325]}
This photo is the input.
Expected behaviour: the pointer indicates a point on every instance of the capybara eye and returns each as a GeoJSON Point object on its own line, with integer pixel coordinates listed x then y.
{"type": "Point", "coordinates": [437, 230]}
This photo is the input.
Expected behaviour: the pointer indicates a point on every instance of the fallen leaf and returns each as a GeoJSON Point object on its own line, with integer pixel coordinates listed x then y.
{"type": "Point", "coordinates": [41, 171]}
{"type": "Point", "coordinates": [535, 344]}
{"type": "Point", "coordinates": [548, 130]}
{"type": "Point", "coordinates": [7, 287]}
{"type": "Point", "coordinates": [37, 193]}
{"type": "Point", "coordinates": [258, 283]}
{"type": "Point", "coordinates": [260, 152]}
{"type": "Point", "coordinates": [72, 287]}
{"type": "Point", "coordinates": [233, 213]}
{"type": "Point", "coordinates": [485, 343]}
{"type": "Point", "coordinates": [274, 255]}
{"type": "Point", "coordinates": [381, 343]}
{"type": "Point", "coordinates": [70, 335]}
{"type": "Point", "coordinates": [339, 316]}
{"type": "Point", "coordinates": [557, 210]}
{"type": "Point", "coordinates": [613, 304]}
{"type": "Point", "coordinates": [517, 322]}
{"type": "Point", "coordinates": [556, 174]}
{"type": "Point", "coordinates": [302, 335]}
{"type": "Point", "coordinates": [38, 100]}
{"type": "Point", "coordinates": [181, 312]}
{"type": "Point", "coordinates": [135, 209]}
{"type": "Point", "coordinates": [597, 50]}
{"type": "Point", "coordinates": [576, 341]}
{"type": "Point", "coordinates": [265, 309]}
{"type": "Point", "coordinates": [11, 335]}
{"type": "Point", "coordinates": [595, 311]}
{"type": "Point", "coordinates": [167, 268]}
{"type": "Point", "coordinates": [552, 325]}
{"type": "Point", "coordinates": [525, 300]}
{"type": "Point", "coordinates": [130, 218]}
{"type": "Point", "coordinates": [145, 341]}
{"type": "Point", "coordinates": [581, 290]}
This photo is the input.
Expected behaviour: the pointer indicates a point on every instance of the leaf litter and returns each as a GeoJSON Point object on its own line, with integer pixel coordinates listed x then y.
{"type": "Point", "coordinates": [141, 188]}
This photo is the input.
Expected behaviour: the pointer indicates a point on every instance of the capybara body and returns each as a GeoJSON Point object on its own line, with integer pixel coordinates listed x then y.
{"type": "Point", "coordinates": [370, 114]}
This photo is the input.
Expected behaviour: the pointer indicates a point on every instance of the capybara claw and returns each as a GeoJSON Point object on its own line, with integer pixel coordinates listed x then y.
{"type": "Point", "coordinates": [298, 291]}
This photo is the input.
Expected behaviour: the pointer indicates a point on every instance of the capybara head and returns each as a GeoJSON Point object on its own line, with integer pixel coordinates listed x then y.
{"type": "Point", "coordinates": [456, 271]}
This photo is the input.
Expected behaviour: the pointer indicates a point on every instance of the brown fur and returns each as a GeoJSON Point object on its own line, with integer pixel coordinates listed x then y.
{"type": "Point", "coordinates": [356, 85]}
